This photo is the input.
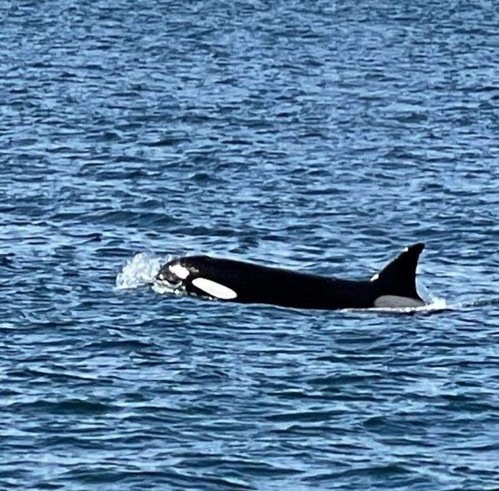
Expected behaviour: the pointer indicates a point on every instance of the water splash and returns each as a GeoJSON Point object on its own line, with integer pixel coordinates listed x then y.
{"type": "Point", "coordinates": [163, 289]}
{"type": "Point", "coordinates": [437, 303]}
{"type": "Point", "coordinates": [140, 270]}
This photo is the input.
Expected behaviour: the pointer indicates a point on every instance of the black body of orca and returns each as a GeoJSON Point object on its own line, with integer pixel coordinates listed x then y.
{"type": "Point", "coordinates": [229, 280]}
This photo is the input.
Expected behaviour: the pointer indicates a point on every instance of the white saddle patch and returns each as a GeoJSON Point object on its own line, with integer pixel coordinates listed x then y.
{"type": "Point", "coordinates": [396, 302]}
{"type": "Point", "coordinates": [179, 270]}
{"type": "Point", "coordinates": [214, 289]}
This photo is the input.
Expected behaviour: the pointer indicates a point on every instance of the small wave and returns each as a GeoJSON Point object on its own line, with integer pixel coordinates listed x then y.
{"type": "Point", "coordinates": [140, 270]}
{"type": "Point", "coordinates": [481, 302]}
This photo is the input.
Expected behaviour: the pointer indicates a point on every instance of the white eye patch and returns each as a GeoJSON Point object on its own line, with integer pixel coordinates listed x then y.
{"type": "Point", "coordinates": [214, 289]}
{"type": "Point", "coordinates": [179, 270]}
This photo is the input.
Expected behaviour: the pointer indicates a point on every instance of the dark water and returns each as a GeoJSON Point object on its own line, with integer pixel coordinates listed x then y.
{"type": "Point", "coordinates": [319, 136]}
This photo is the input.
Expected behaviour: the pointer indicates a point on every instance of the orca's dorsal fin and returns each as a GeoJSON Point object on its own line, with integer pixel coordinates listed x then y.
{"type": "Point", "coordinates": [399, 276]}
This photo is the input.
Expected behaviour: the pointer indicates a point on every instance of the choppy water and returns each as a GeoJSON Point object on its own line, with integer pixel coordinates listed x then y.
{"type": "Point", "coordinates": [321, 136]}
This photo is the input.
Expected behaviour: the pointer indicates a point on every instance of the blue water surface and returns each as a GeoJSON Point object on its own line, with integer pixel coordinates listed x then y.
{"type": "Point", "coordinates": [322, 136]}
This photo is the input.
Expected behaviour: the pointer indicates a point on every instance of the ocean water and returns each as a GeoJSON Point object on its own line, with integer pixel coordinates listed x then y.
{"type": "Point", "coordinates": [318, 136]}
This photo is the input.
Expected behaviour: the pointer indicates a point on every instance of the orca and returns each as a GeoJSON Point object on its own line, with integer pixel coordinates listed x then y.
{"type": "Point", "coordinates": [237, 281]}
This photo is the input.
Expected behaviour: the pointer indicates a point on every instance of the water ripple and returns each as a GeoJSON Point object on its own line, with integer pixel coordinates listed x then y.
{"type": "Point", "coordinates": [317, 136]}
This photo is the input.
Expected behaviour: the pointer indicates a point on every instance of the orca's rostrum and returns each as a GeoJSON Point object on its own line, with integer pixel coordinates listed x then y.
{"type": "Point", "coordinates": [237, 281]}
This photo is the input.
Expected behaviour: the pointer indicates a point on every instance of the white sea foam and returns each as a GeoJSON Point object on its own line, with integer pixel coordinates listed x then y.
{"type": "Point", "coordinates": [163, 289]}
{"type": "Point", "coordinates": [436, 303]}
{"type": "Point", "coordinates": [140, 270]}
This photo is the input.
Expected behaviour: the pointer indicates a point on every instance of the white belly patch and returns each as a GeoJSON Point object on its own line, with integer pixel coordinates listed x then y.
{"type": "Point", "coordinates": [214, 289]}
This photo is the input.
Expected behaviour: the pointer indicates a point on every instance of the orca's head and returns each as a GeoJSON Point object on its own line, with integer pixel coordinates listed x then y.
{"type": "Point", "coordinates": [172, 275]}
{"type": "Point", "coordinates": [193, 275]}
